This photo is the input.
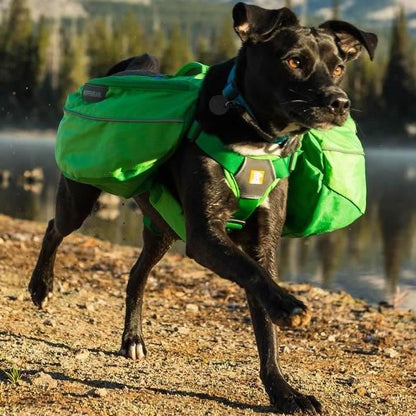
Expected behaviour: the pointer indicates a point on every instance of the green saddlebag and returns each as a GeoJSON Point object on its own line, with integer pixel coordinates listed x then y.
{"type": "Point", "coordinates": [327, 189]}
{"type": "Point", "coordinates": [116, 130]}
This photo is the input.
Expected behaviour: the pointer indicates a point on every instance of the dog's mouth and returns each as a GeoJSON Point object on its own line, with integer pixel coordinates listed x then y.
{"type": "Point", "coordinates": [320, 118]}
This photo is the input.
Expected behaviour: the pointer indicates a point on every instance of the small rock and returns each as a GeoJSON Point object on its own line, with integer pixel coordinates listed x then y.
{"type": "Point", "coordinates": [332, 338]}
{"type": "Point", "coordinates": [89, 307]}
{"type": "Point", "coordinates": [97, 392]}
{"type": "Point", "coordinates": [183, 330]}
{"type": "Point", "coordinates": [192, 308]}
{"type": "Point", "coordinates": [49, 322]}
{"type": "Point", "coordinates": [361, 391]}
{"type": "Point", "coordinates": [43, 380]}
{"type": "Point", "coordinates": [392, 353]}
{"type": "Point", "coordinates": [82, 355]}
{"type": "Point", "coordinates": [350, 381]}
{"type": "Point", "coordinates": [20, 237]}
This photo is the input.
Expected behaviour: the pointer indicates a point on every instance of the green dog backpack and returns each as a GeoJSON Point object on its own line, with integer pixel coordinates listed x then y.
{"type": "Point", "coordinates": [118, 129]}
{"type": "Point", "coordinates": [327, 188]}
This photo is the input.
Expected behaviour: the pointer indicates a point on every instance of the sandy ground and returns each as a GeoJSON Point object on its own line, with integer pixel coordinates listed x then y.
{"type": "Point", "coordinates": [357, 359]}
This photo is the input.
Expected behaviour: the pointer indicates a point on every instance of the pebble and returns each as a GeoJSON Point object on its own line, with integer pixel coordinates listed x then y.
{"type": "Point", "coordinates": [361, 391]}
{"type": "Point", "coordinates": [97, 392]}
{"type": "Point", "coordinates": [44, 380]}
{"type": "Point", "coordinates": [20, 237]}
{"type": "Point", "coordinates": [392, 353]}
{"type": "Point", "coordinates": [49, 322]}
{"type": "Point", "coordinates": [82, 355]}
{"type": "Point", "coordinates": [183, 330]}
{"type": "Point", "coordinates": [192, 308]}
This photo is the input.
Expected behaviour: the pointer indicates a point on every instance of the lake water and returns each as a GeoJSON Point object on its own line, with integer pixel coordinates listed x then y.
{"type": "Point", "coordinates": [375, 258]}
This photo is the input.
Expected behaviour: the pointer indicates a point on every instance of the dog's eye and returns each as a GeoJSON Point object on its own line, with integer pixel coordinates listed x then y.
{"type": "Point", "coordinates": [294, 63]}
{"type": "Point", "coordinates": [338, 71]}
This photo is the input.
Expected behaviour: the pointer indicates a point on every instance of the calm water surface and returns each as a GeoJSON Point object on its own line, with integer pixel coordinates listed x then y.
{"type": "Point", "coordinates": [375, 258]}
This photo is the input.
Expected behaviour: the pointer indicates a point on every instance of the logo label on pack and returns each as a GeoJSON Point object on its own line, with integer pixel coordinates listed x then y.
{"type": "Point", "coordinates": [94, 93]}
{"type": "Point", "coordinates": [256, 177]}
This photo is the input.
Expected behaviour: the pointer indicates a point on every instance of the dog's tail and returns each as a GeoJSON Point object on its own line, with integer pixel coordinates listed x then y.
{"type": "Point", "coordinates": [145, 63]}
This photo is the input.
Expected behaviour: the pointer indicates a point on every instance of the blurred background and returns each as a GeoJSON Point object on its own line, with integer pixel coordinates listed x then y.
{"type": "Point", "coordinates": [50, 47]}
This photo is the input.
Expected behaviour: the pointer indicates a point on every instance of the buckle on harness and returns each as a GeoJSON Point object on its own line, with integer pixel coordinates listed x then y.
{"type": "Point", "coordinates": [234, 224]}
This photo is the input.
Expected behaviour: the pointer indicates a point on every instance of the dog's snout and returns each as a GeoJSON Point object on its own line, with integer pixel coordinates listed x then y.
{"type": "Point", "coordinates": [339, 104]}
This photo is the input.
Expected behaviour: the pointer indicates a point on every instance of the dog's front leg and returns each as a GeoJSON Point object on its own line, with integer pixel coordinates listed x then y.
{"type": "Point", "coordinates": [208, 204]}
{"type": "Point", "coordinates": [260, 242]}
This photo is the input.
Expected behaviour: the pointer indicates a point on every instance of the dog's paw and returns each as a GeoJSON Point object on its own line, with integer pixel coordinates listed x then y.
{"type": "Point", "coordinates": [296, 318]}
{"type": "Point", "coordinates": [285, 399]}
{"type": "Point", "coordinates": [285, 310]}
{"type": "Point", "coordinates": [40, 292]}
{"type": "Point", "coordinates": [296, 403]}
{"type": "Point", "coordinates": [133, 347]}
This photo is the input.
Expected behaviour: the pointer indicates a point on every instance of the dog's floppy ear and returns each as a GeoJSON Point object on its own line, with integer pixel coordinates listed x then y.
{"type": "Point", "coordinates": [350, 39]}
{"type": "Point", "coordinates": [257, 24]}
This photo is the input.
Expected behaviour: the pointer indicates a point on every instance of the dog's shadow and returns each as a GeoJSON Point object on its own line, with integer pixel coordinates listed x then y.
{"type": "Point", "coordinates": [113, 385]}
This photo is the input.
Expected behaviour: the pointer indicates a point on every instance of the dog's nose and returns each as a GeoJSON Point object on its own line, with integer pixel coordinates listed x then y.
{"type": "Point", "coordinates": [339, 104]}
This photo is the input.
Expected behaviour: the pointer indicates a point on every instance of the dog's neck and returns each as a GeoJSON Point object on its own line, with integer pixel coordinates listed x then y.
{"type": "Point", "coordinates": [233, 129]}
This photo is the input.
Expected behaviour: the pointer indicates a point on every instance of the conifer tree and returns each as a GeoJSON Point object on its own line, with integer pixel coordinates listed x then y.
{"type": "Point", "coordinates": [399, 88]}
{"type": "Point", "coordinates": [17, 57]}
{"type": "Point", "coordinates": [132, 37]}
{"type": "Point", "coordinates": [204, 52]}
{"type": "Point", "coordinates": [157, 44]}
{"type": "Point", "coordinates": [225, 42]}
{"type": "Point", "coordinates": [104, 46]}
{"type": "Point", "coordinates": [74, 68]}
{"type": "Point", "coordinates": [177, 53]}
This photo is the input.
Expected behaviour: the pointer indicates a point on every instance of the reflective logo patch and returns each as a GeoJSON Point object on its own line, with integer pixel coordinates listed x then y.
{"type": "Point", "coordinates": [94, 93]}
{"type": "Point", "coordinates": [256, 177]}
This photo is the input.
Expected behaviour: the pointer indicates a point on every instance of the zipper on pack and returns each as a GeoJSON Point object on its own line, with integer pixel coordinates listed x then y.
{"type": "Point", "coordinates": [122, 120]}
{"type": "Point", "coordinates": [144, 84]}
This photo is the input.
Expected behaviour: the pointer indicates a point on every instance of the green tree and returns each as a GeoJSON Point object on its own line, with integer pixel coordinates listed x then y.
{"type": "Point", "coordinates": [42, 42]}
{"type": "Point", "coordinates": [204, 51]}
{"type": "Point", "coordinates": [104, 46]}
{"type": "Point", "coordinates": [157, 44]}
{"type": "Point", "coordinates": [17, 57]}
{"type": "Point", "coordinates": [177, 53]}
{"type": "Point", "coordinates": [132, 37]}
{"type": "Point", "coordinates": [74, 65]}
{"type": "Point", "coordinates": [225, 43]}
{"type": "Point", "coordinates": [399, 88]}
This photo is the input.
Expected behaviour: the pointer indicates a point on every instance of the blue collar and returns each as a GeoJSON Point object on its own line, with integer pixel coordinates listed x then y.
{"type": "Point", "coordinates": [232, 95]}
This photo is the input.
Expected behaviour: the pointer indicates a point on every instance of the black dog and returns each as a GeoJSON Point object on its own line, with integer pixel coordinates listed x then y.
{"type": "Point", "coordinates": [289, 75]}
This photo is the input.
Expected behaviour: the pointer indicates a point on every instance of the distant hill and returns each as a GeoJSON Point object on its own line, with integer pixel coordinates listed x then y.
{"type": "Point", "coordinates": [207, 15]}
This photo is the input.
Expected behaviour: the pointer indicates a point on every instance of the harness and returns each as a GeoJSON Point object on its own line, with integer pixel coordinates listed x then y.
{"type": "Point", "coordinates": [250, 178]}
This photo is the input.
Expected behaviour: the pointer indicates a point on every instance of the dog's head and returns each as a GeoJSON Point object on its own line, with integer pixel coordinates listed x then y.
{"type": "Point", "coordinates": [290, 74]}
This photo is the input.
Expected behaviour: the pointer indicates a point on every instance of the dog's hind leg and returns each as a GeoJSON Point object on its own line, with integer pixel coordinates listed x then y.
{"type": "Point", "coordinates": [74, 202]}
{"type": "Point", "coordinates": [156, 243]}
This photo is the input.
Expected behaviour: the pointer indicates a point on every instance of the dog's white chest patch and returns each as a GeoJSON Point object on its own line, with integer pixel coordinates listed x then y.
{"type": "Point", "coordinates": [248, 149]}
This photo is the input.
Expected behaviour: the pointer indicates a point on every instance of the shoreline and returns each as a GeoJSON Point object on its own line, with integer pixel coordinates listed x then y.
{"type": "Point", "coordinates": [355, 358]}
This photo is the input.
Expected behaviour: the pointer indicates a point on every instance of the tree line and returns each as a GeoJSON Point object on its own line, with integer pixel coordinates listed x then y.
{"type": "Point", "coordinates": [42, 61]}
